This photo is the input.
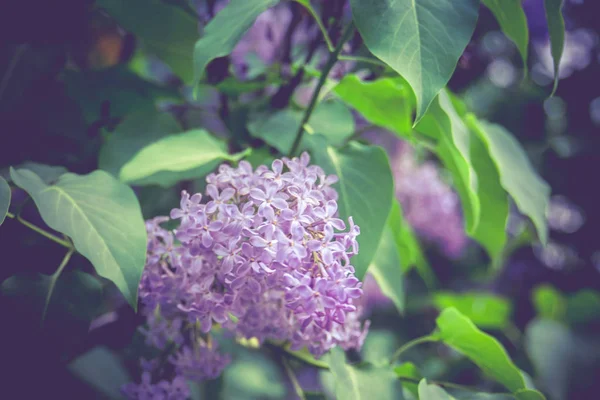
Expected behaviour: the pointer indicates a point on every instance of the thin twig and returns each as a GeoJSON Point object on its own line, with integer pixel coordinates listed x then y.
{"type": "Point", "coordinates": [333, 57]}
{"type": "Point", "coordinates": [40, 231]}
{"type": "Point", "coordinates": [293, 379]}
{"type": "Point", "coordinates": [322, 28]}
{"type": "Point", "coordinates": [412, 343]}
{"type": "Point", "coordinates": [363, 59]}
{"type": "Point", "coordinates": [53, 280]}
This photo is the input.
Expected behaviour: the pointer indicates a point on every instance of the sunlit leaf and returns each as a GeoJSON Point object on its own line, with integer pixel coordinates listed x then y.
{"type": "Point", "coordinates": [549, 303]}
{"type": "Point", "coordinates": [408, 370]}
{"type": "Point", "coordinates": [421, 39]}
{"type": "Point", "coordinates": [137, 131]}
{"type": "Point", "coordinates": [187, 155]}
{"type": "Point", "coordinates": [518, 177]}
{"type": "Point", "coordinates": [103, 218]}
{"type": "Point", "coordinates": [224, 31]}
{"type": "Point", "coordinates": [484, 309]}
{"type": "Point", "coordinates": [385, 102]}
{"type": "Point", "coordinates": [443, 123]}
{"type": "Point", "coordinates": [459, 332]}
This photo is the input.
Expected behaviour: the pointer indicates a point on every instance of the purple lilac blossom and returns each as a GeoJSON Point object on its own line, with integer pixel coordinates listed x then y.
{"type": "Point", "coordinates": [264, 255]}
{"type": "Point", "coordinates": [177, 389]}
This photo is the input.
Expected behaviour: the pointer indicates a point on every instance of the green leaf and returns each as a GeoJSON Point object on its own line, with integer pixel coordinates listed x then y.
{"type": "Point", "coordinates": [103, 370]}
{"type": "Point", "coordinates": [165, 30]}
{"type": "Point", "coordinates": [378, 346]}
{"type": "Point", "coordinates": [102, 217]}
{"type": "Point", "coordinates": [75, 296]}
{"type": "Point", "coordinates": [137, 131]}
{"type": "Point", "coordinates": [529, 394]}
{"type": "Point", "coordinates": [278, 129]}
{"type": "Point", "coordinates": [362, 382]}
{"type": "Point", "coordinates": [556, 28]}
{"type": "Point", "coordinates": [5, 194]}
{"type": "Point", "coordinates": [365, 190]}
{"type": "Point", "coordinates": [549, 303]}
{"type": "Point", "coordinates": [421, 39]}
{"type": "Point", "coordinates": [224, 31]}
{"type": "Point", "coordinates": [331, 119]}
{"type": "Point", "coordinates": [443, 123]}
{"type": "Point", "coordinates": [408, 370]}
{"type": "Point", "coordinates": [484, 309]}
{"type": "Point", "coordinates": [253, 376]}
{"type": "Point", "coordinates": [432, 392]}
{"type": "Point", "coordinates": [187, 155]}
{"type": "Point", "coordinates": [386, 102]}
{"type": "Point", "coordinates": [513, 22]}
{"type": "Point", "coordinates": [407, 244]}
{"type": "Point", "coordinates": [459, 332]}
{"type": "Point", "coordinates": [493, 202]}
{"type": "Point", "coordinates": [517, 176]}
{"type": "Point", "coordinates": [549, 345]}
{"type": "Point", "coordinates": [48, 173]}
{"type": "Point", "coordinates": [385, 268]}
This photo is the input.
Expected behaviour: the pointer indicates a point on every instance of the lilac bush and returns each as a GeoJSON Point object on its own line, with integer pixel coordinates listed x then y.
{"type": "Point", "coordinates": [263, 256]}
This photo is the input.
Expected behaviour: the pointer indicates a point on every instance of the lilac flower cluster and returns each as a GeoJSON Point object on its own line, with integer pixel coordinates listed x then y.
{"type": "Point", "coordinates": [264, 256]}
{"type": "Point", "coordinates": [177, 389]}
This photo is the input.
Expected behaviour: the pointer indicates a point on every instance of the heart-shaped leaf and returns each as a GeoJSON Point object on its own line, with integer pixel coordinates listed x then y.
{"type": "Point", "coordinates": [187, 155]}
{"type": "Point", "coordinates": [103, 218]}
{"type": "Point", "coordinates": [421, 39]}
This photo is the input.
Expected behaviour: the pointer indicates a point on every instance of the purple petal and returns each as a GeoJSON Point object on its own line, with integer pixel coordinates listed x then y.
{"type": "Point", "coordinates": [258, 194]}
{"type": "Point", "coordinates": [212, 191]}
{"type": "Point", "coordinates": [279, 203]}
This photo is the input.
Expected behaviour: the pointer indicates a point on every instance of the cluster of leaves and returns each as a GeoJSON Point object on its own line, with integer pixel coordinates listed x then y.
{"type": "Point", "coordinates": [417, 45]}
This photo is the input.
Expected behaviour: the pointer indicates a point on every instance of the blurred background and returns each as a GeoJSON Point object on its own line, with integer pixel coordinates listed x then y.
{"type": "Point", "coordinates": [69, 74]}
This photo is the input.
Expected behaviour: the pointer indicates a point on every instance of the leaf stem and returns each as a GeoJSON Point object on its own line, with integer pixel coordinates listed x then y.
{"type": "Point", "coordinates": [363, 59]}
{"type": "Point", "coordinates": [307, 359]}
{"type": "Point", "coordinates": [412, 343]}
{"type": "Point", "coordinates": [42, 232]}
{"type": "Point", "coordinates": [313, 13]}
{"type": "Point", "coordinates": [333, 57]}
{"type": "Point", "coordinates": [53, 280]}
{"type": "Point", "coordinates": [293, 379]}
